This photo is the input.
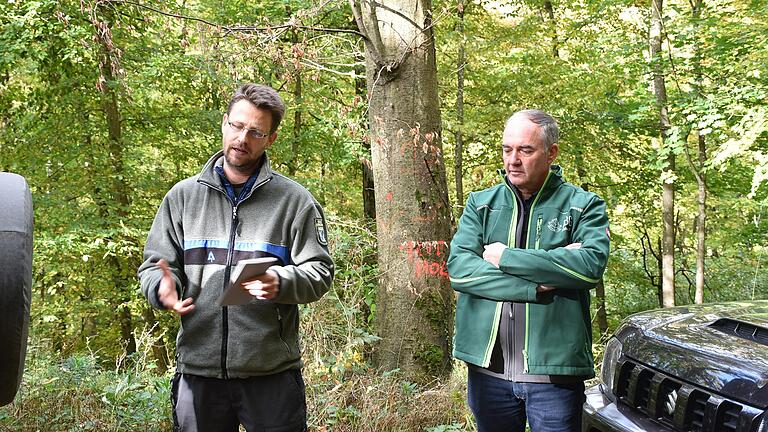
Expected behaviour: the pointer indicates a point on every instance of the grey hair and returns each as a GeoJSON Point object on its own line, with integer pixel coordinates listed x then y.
{"type": "Point", "coordinates": [548, 130]}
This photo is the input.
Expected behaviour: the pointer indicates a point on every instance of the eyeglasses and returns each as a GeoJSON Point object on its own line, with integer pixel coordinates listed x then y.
{"type": "Point", "coordinates": [253, 133]}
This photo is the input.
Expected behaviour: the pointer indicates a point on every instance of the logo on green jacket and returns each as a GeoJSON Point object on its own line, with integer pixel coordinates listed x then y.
{"type": "Point", "coordinates": [556, 226]}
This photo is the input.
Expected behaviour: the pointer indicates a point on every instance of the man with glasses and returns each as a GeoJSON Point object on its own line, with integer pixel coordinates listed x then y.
{"type": "Point", "coordinates": [238, 364]}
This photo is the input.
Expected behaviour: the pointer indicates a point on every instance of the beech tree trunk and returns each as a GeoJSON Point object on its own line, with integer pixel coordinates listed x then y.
{"type": "Point", "coordinates": [668, 173]}
{"type": "Point", "coordinates": [414, 313]}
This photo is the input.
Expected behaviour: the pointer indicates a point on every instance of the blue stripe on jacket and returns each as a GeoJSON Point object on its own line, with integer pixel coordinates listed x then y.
{"type": "Point", "coordinates": [214, 251]}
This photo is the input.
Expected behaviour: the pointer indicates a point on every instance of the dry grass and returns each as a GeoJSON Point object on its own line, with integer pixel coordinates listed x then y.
{"type": "Point", "coordinates": [376, 402]}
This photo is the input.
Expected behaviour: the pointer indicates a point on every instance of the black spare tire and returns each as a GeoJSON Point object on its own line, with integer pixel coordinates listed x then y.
{"type": "Point", "coordinates": [15, 280]}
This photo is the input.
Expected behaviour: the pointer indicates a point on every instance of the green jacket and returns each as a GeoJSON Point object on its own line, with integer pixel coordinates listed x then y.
{"type": "Point", "coordinates": [558, 334]}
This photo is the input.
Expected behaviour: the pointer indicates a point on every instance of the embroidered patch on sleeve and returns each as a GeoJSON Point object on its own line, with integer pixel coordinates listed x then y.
{"type": "Point", "coordinates": [322, 235]}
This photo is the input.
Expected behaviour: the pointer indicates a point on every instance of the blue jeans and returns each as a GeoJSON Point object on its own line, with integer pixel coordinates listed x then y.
{"type": "Point", "coordinates": [504, 406]}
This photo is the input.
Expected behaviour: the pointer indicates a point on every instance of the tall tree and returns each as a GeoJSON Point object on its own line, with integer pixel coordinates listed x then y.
{"type": "Point", "coordinates": [668, 173]}
{"type": "Point", "coordinates": [366, 167]}
{"type": "Point", "coordinates": [414, 304]}
{"type": "Point", "coordinates": [102, 17]}
{"type": "Point", "coordinates": [699, 169]}
{"type": "Point", "coordinates": [461, 63]}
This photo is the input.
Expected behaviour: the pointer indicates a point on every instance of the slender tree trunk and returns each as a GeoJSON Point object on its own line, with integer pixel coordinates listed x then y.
{"type": "Point", "coordinates": [298, 103]}
{"type": "Point", "coordinates": [600, 310]}
{"type": "Point", "coordinates": [461, 62]}
{"type": "Point", "coordinates": [701, 227]}
{"type": "Point", "coordinates": [654, 278]}
{"type": "Point", "coordinates": [668, 174]}
{"type": "Point", "coordinates": [118, 192]}
{"type": "Point", "coordinates": [369, 199]}
{"type": "Point", "coordinates": [108, 66]}
{"type": "Point", "coordinates": [660, 284]}
{"type": "Point", "coordinates": [701, 180]}
{"type": "Point", "coordinates": [550, 10]}
{"type": "Point", "coordinates": [415, 301]}
{"type": "Point", "coordinates": [159, 351]}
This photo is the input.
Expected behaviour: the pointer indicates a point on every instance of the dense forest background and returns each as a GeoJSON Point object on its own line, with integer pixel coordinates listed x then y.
{"type": "Point", "coordinates": [104, 105]}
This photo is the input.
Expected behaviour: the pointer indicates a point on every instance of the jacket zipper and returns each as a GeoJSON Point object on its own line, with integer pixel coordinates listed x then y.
{"type": "Point", "coordinates": [228, 267]}
{"type": "Point", "coordinates": [507, 342]}
{"type": "Point", "coordinates": [527, 237]}
{"type": "Point", "coordinates": [224, 310]}
{"type": "Point", "coordinates": [538, 232]}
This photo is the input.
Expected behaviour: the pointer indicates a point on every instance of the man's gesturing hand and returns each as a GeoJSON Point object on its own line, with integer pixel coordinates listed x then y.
{"type": "Point", "coordinates": [265, 286]}
{"type": "Point", "coordinates": [493, 252]}
{"type": "Point", "coordinates": [168, 295]}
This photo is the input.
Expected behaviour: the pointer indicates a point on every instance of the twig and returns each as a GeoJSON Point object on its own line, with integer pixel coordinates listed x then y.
{"type": "Point", "coordinates": [232, 29]}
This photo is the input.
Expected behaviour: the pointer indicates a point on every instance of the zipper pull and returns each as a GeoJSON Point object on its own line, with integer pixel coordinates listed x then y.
{"type": "Point", "coordinates": [538, 231]}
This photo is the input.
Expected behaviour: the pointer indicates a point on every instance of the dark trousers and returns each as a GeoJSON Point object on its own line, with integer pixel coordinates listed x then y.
{"type": "Point", "coordinates": [272, 403]}
{"type": "Point", "coordinates": [504, 406]}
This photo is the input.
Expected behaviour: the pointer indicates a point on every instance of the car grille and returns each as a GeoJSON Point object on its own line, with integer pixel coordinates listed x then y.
{"type": "Point", "coordinates": [680, 405]}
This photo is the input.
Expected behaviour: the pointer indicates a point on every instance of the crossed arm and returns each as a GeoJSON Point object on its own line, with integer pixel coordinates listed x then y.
{"type": "Point", "coordinates": [502, 273]}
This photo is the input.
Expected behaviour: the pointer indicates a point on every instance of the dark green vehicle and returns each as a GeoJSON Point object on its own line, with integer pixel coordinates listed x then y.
{"type": "Point", "coordinates": [690, 368]}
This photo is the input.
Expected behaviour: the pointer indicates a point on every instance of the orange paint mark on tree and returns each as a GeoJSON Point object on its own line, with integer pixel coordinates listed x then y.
{"type": "Point", "coordinates": [427, 257]}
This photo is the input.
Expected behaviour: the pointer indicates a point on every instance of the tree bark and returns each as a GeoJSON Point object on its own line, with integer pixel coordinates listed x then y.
{"type": "Point", "coordinates": [159, 351]}
{"type": "Point", "coordinates": [369, 199]}
{"type": "Point", "coordinates": [667, 175]}
{"type": "Point", "coordinates": [550, 10]}
{"type": "Point", "coordinates": [297, 101]}
{"type": "Point", "coordinates": [415, 301]}
{"type": "Point", "coordinates": [699, 173]}
{"type": "Point", "coordinates": [458, 150]}
{"type": "Point", "coordinates": [660, 269]}
{"type": "Point", "coordinates": [108, 67]}
{"type": "Point", "coordinates": [600, 310]}
{"type": "Point", "coordinates": [701, 226]}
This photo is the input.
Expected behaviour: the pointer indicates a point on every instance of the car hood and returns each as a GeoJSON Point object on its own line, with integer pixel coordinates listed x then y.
{"type": "Point", "coordinates": [722, 347]}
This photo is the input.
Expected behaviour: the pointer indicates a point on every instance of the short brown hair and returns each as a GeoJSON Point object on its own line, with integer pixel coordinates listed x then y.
{"type": "Point", "coordinates": [263, 97]}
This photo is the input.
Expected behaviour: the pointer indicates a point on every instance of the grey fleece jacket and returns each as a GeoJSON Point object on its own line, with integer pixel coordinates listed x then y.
{"type": "Point", "coordinates": [202, 235]}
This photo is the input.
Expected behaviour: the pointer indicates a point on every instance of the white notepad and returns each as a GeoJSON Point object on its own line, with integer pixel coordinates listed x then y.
{"type": "Point", "coordinates": [244, 271]}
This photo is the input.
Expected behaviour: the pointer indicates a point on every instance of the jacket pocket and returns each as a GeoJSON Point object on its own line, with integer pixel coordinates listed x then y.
{"type": "Point", "coordinates": [497, 224]}
{"type": "Point", "coordinates": [281, 328]}
{"type": "Point", "coordinates": [560, 335]}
